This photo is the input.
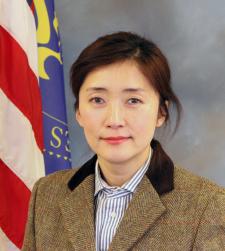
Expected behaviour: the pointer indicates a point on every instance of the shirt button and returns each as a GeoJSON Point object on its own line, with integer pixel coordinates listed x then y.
{"type": "Point", "coordinates": [113, 214]}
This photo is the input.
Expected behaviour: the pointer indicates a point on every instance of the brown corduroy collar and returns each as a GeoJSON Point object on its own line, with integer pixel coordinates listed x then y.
{"type": "Point", "coordinates": [160, 172]}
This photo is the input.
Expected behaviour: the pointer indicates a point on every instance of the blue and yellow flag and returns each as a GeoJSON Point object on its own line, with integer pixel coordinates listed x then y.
{"type": "Point", "coordinates": [56, 139]}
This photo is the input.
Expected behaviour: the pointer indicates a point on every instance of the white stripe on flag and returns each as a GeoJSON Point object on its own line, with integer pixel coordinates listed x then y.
{"type": "Point", "coordinates": [18, 148]}
{"type": "Point", "coordinates": [6, 244]}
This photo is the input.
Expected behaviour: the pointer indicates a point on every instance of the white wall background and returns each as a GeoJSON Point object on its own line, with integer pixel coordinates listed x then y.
{"type": "Point", "coordinates": [192, 35]}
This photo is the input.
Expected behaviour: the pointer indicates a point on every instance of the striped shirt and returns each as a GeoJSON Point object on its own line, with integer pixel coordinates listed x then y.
{"type": "Point", "coordinates": [111, 203]}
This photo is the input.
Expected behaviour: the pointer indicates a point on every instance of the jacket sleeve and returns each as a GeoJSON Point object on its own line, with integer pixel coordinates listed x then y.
{"type": "Point", "coordinates": [29, 238]}
{"type": "Point", "coordinates": [211, 230]}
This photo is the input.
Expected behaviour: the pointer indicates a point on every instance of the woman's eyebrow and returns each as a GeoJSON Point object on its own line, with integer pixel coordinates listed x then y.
{"type": "Point", "coordinates": [102, 89]}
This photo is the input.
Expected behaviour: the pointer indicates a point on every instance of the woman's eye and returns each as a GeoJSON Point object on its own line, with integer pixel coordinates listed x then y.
{"type": "Point", "coordinates": [134, 101]}
{"type": "Point", "coordinates": [97, 100]}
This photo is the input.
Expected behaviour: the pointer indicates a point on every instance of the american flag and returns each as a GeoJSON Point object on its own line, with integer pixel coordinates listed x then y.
{"type": "Point", "coordinates": [21, 118]}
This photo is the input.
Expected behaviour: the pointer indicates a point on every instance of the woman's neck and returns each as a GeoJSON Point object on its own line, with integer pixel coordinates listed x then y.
{"type": "Point", "coordinates": [116, 174]}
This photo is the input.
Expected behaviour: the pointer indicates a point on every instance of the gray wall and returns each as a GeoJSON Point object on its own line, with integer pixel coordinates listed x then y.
{"type": "Point", "coordinates": [192, 35]}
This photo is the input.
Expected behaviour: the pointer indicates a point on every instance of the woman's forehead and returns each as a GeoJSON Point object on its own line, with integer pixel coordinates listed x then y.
{"type": "Point", "coordinates": [105, 89]}
{"type": "Point", "coordinates": [124, 76]}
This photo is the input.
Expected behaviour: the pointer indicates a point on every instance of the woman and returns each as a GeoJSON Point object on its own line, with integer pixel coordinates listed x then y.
{"type": "Point", "coordinates": [129, 196]}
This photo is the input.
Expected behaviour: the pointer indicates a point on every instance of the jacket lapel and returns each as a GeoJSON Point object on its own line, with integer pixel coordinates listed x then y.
{"type": "Point", "coordinates": [77, 209]}
{"type": "Point", "coordinates": [143, 211]}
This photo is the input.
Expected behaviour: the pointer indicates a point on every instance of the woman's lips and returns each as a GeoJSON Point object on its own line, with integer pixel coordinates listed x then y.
{"type": "Point", "coordinates": [116, 140]}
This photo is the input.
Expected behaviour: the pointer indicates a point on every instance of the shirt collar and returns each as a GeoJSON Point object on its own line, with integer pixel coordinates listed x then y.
{"type": "Point", "coordinates": [129, 186]}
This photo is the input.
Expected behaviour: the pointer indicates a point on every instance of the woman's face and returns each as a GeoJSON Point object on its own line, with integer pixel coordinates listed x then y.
{"type": "Point", "coordinates": [118, 110]}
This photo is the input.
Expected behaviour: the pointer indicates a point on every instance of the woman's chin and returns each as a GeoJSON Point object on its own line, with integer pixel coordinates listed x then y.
{"type": "Point", "coordinates": [115, 159]}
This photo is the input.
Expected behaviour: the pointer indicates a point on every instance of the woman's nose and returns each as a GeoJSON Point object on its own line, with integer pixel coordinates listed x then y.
{"type": "Point", "coordinates": [115, 116]}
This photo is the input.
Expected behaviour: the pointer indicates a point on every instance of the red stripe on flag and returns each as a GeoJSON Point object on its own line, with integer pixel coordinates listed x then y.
{"type": "Point", "coordinates": [14, 197]}
{"type": "Point", "coordinates": [32, 6]}
{"type": "Point", "coordinates": [19, 83]}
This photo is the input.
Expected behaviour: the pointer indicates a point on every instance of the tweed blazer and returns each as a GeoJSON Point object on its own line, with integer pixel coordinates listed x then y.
{"type": "Point", "coordinates": [171, 209]}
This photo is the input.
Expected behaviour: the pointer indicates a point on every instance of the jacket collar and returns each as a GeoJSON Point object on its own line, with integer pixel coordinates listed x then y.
{"type": "Point", "coordinates": [160, 171]}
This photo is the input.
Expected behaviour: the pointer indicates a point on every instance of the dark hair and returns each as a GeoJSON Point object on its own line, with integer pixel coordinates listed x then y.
{"type": "Point", "coordinates": [123, 46]}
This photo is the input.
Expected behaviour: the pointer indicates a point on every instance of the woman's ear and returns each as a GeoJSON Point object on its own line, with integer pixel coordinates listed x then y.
{"type": "Point", "coordinates": [78, 117]}
{"type": "Point", "coordinates": [160, 120]}
{"type": "Point", "coordinates": [162, 114]}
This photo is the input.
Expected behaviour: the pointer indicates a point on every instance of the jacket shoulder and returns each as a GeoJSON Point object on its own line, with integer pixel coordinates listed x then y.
{"type": "Point", "coordinates": [186, 180]}
{"type": "Point", "coordinates": [55, 182]}
{"type": "Point", "coordinates": [60, 176]}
